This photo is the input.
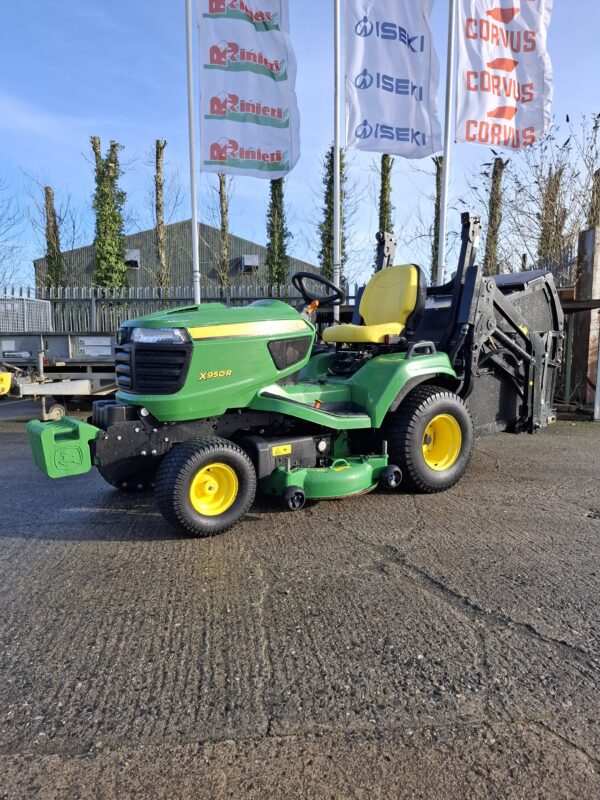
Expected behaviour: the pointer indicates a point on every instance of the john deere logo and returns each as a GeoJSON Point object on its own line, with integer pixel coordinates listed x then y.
{"type": "Point", "coordinates": [364, 80]}
{"type": "Point", "coordinates": [65, 458]}
{"type": "Point", "coordinates": [364, 130]}
{"type": "Point", "coordinates": [364, 27]}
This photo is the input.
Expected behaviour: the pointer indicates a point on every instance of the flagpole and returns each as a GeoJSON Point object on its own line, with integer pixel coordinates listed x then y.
{"type": "Point", "coordinates": [192, 147]}
{"type": "Point", "coordinates": [450, 67]}
{"type": "Point", "coordinates": [337, 233]}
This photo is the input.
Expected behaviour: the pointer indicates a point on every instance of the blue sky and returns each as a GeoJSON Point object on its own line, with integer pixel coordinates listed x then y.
{"type": "Point", "coordinates": [116, 68]}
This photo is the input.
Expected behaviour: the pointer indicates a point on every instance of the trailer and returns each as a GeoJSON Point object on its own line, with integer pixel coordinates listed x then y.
{"type": "Point", "coordinates": [56, 367]}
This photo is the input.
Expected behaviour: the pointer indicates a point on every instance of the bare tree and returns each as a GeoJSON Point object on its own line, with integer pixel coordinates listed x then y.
{"type": "Point", "coordinates": [162, 277]}
{"type": "Point", "coordinates": [550, 194]}
{"type": "Point", "coordinates": [359, 248]}
{"type": "Point", "coordinates": [58, 227]}
{"type": "Point", "coordinates": [172, 192]}
{"type": "Point", "coordinates": [164, 197]}
{"type": "Point", "coordinates": [438, 162]}
{"type": "Point", "coordinates": [419, 231]}
{"type": "Point", "coordinates": [216, 210]}
{"type": "Point", "coordinates": [55, 271]}
{"type": "Point", "coordinates": [491, 265]}
{"type": "Point", "coordinates": [222, 262]}
{"type": "Point", "coordinates": [11, 229]}
{"type": "Point", "coordinates": [594, 212]}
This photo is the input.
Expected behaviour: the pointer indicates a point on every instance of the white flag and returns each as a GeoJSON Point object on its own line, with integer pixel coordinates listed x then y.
{"type": "Point", "coordinates": [249, 121]}
{"type": "Point", "coordinates": [392, 74]}
{"type": "Point", "coordinates": [504, 88]}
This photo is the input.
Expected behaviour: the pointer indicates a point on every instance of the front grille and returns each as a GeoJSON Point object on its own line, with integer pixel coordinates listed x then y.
{"type": "Point", "coordinates": [151, 368]}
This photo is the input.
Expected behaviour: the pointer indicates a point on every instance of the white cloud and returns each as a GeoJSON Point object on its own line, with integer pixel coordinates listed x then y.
{"type": "Point", "coordinates": [18, 117]}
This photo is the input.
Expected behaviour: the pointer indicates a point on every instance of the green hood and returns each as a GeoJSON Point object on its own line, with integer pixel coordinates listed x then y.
{"type": "Point", "coordinates": [215, 314]}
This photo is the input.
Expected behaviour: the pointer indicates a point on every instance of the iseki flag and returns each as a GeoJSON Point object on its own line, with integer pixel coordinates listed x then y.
{"type": "Point", "coordinates": [504, 81]}
{"type": "Point", "coordinates": [392, 74]}
{"type": "Point", "coordinates": [249, 121]}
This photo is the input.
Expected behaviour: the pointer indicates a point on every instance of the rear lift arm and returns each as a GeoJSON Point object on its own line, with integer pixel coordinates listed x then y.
{"type": "Point", "coordinates": [489, 329]}
{"type": "Point", "coordinates": [496, 332]}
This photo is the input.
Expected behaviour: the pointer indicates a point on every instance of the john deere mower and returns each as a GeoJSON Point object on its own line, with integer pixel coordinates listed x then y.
{"type": "Point", "coordinates": [216, 403]}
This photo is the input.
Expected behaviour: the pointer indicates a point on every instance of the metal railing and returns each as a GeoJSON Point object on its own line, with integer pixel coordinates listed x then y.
{"type": "Point", "coordinates": [22, 314]}
{"type": "Point", "coordinates": [83, 309]}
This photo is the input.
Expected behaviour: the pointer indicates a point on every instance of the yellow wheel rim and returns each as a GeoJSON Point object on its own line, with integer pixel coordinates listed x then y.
{"type": "Point", "coordinates": [214, 489]}
{"type": "Point", "coordinates": [442, 441]}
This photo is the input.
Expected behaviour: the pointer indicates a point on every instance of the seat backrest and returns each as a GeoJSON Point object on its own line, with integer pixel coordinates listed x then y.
{"type": "Point", "coordinates": [393, 295]}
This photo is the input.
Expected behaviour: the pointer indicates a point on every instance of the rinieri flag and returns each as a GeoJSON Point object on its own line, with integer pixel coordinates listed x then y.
{"type": "Point", "coordinates": [249, 121]}
{"type": "Point", "coordinates": [392, 75]}
{"type": "Point", "coordinates": [504, 85]}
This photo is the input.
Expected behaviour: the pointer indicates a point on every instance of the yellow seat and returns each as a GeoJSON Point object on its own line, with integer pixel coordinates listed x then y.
{"type": "Point", "coordinates": [389, 299]}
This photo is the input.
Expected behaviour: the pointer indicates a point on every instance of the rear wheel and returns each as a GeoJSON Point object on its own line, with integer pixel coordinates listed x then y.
{"type": "Point", "coordinates": [430, 437]}
{"type": "Point", "coordinates": [204, 486]}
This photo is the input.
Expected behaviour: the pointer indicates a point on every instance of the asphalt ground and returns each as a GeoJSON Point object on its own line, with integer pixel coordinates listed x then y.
{"type": "Point", "coordinates": [389, 646]}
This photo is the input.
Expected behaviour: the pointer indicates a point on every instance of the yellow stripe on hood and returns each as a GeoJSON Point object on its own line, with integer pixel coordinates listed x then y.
{"type": "Point", "coordinates": [262, 328]}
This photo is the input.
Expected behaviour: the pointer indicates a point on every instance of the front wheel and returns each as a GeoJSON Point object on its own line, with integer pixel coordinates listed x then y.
{"type": "Point", "coordinates": [205, 486]}
{"type": "Point", "coordinates": [431, 438]}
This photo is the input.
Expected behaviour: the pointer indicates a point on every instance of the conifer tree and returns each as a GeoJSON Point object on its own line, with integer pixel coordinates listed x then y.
{"type": "Point", "coordinates": [326, 226]}
{"type": "Point", "coordinates": [277, 259]}
{"type": "Point", "coordinates": [110, 269]}
{"type": "Point", "coordinates": [386, 208]}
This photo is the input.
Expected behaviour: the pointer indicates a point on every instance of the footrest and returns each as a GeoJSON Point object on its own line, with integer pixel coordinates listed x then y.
{"type": "Point", "coordinates": [62, 448]}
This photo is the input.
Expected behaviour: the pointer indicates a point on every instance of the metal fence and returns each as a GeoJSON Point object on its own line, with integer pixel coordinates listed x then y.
{"type": "Point", "coordinates": [22, 314]}
{"type": "Point", "coordinates": [82, 309]}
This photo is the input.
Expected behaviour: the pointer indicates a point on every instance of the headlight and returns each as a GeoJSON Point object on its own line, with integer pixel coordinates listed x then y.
{"type": "Point", "coordinates": [159, 335]}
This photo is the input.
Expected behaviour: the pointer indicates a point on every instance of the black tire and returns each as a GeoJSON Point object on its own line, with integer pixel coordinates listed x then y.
{"type": "Point", "coordinates": [175, 477]}
{"type": "Point", "coordinates": [130, 482]}
{"type": "Point", "coordinates": [391, 477]}
{"type": "Point", "coordinates": [405, 431]}
{"type": "Point", "coordinates": [293, 498]}
{"type": "Point", "coordinates": [55, 411]}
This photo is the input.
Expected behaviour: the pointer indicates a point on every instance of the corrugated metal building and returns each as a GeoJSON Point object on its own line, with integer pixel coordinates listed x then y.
{"type": "Point", "coordinates": [247, 259]}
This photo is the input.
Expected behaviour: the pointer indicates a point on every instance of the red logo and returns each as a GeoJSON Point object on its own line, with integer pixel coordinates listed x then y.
{"type": "Point", "coordinates": [228, 151]}
{"type": "Point", "coordinates": [505, 64]}
{"type": "Point", "coordinates": [503, 112]}
{"type": "Point", "coordinates": [504, 15]}
{"type": "Point", "coordinates": [499, 77]}
{"type": "Point", "coordinates": [231, 57]}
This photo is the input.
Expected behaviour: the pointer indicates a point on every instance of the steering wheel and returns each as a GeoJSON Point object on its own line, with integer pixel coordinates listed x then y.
{"type": "Point", "coordinates": [336, 297]}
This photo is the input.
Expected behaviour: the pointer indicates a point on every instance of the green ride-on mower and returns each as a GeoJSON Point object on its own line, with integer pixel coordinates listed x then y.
{"type": "Point", "coordinates": [216, 403]}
